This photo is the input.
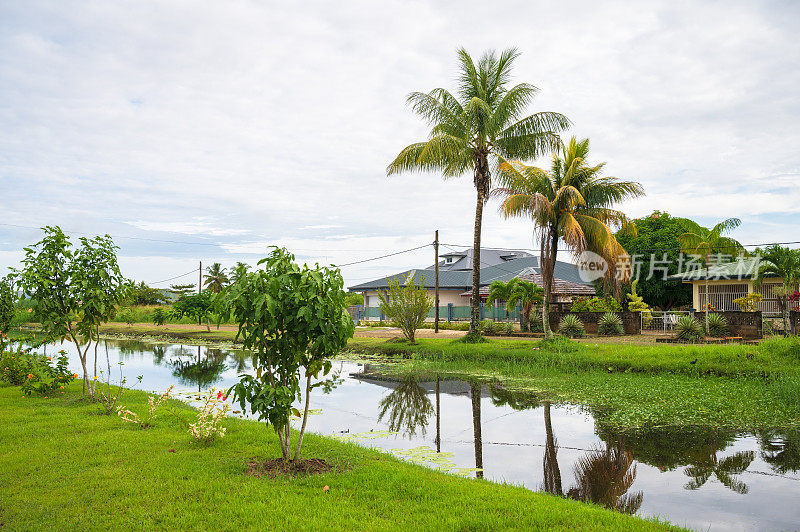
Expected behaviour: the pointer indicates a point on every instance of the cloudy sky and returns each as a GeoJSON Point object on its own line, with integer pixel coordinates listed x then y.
{"type": "Point", "coordinates": [210, 131]}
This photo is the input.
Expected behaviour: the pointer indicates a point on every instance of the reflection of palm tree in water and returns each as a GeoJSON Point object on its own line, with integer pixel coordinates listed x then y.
{"type": "Point", "coordinates": [475, 394]}
{"type": "Point", "coordinates": [781, 450]}
{"type": "Point", "coordinates": [202, 372]}
{"type": "Point", "coordinates": [725, 470]}
{"type": "Point", "coordinates": [408, 407]}
{"type": "Point", "coordinates": [603, 476]}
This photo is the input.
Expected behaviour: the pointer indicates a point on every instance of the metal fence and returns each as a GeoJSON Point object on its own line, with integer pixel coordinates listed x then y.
{"type": "Point", "coordinates": [448, 313]}
{"type": "Point", "coordinates": [661, 322]}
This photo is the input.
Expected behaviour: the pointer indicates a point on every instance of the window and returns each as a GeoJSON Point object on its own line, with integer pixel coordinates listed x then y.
{"type": "Point", "coordinates": [448, 260]}
{"type": "Point", "coordinates": [722, 295]}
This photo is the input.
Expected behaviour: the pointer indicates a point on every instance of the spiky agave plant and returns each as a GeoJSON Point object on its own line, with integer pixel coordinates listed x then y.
{"type": "Point", "coordinates": [687, 328]}
{"type": "Point", "coordinates": [572, 326]}
{"type": "Point", "coordinates": [610, 325]}
{"type": "Point", "coordinates": [717, 325]}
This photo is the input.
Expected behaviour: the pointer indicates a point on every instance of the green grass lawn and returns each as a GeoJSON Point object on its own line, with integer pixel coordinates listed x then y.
{"type": "Point", "coordinates": [63, 467]}
{"type": "Point", "coordinates": [627, 386]}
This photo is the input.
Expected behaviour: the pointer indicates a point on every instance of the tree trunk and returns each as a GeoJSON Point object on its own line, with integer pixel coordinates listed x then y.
{"type": "Point", "coordinates": [708, 299]}
{"type": "Point", "coordinates": [786, 316]}
{"type": "Point", "coordinates": [305, 418]}
{"type": "Point", "coordinates": [438, 419]}
{"type": "Point", "coordinates": [547, 256]}
{"type": "Point", "coordinates": [475, 393]}
{"type": "Point", "coordinates": [474, 323]}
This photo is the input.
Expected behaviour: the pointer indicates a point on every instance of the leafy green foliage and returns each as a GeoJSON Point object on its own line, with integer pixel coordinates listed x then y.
{"type": "Point", "coordinates": [196, 306]}
{"type": "Point", "coordinates": [83, 286]}
{"type": "Point", "coordinates": [571, 326]}
{"type": "Point", "coordinates": [596, 304]}
{"type": "Point", "coordinates": [717, 325]}
{"type": "Point", "coordinates": [216, 279]}
{"type": "Point", "coordinates": [291, 318]}
{"type": "Point", "coordinates": [160, 316]}
{"type": "Point", "coordinates": [182, 289]}
{"type": "Point", "coordinates": [782, 262]}
{"type": "Point", "coordinates": [7, 309]}
{"type": "Point", "coordinates": [636, 304]}
{"type": "Point", "coordinates": [407, 306]}
{"type": "Point", "coordinates": [610, 325]}
{"type": "Point", "coordinates": [35, 373]}
{"type": "Point", "coordinates": [658, 231]}
{"type": "Point", "coordinates": [687, 328]}
{"type": "Point", "coordinates": [141, 294]}
{"type": "Point", "coordinates": [354, 298]}
{"type": "Point", "coordinates": [749, 303]}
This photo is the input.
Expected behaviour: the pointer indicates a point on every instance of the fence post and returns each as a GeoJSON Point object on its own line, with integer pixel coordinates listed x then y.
{"type": "Point", "coordinates": [449, 312]}
{"type": "Point", "coordinates": [482, 310]}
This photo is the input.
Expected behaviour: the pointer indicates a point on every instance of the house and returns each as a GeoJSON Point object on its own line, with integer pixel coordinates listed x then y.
{"type": "Point", "coordinates": [730, 281]}
{"type": "Point", "coordinates": [455, 280]}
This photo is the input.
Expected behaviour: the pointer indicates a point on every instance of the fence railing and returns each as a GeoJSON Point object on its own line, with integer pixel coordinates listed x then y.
{"type": "Point", "coordinates": [662, 322]}
{"type": "Point", "coordinates": [447, 313]}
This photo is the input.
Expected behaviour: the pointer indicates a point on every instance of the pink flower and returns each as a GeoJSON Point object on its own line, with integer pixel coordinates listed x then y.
{"type": "Point", "coordinates": [219, 394]}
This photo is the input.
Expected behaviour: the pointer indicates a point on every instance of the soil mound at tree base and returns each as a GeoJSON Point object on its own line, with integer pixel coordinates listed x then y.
{"type": "Point", "coordinates": [278, 467]}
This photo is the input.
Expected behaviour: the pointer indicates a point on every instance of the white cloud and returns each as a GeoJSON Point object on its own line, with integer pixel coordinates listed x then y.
{"type": "Point", "coordinates": [244, 124]}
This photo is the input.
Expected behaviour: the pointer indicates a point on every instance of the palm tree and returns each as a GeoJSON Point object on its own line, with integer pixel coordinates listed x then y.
{"type": "Point", "coordinates": [604, 477]}
{"type": "Point", "coordinates": [500, 291]}
{"type": "Point", "coordinates": [572, 202]}
{"type": "Point", "coordinates": [216, 279]}
{"type": "Point", "coordinates": [526, 294]}
{"type": "Point", "coordinates": [777, 261]}
{"type": "Point", "coordinates": [408, 406]}
{"type": "Point", "coordinates": [476, 130]}
{"type": "Point", "coordinates": [704, 243]}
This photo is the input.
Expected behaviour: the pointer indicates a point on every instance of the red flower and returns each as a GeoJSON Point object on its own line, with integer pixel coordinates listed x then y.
{"type": "Point", "coordinates": [219, 394]}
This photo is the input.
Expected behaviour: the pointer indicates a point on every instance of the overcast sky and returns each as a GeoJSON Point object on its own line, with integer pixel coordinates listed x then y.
{"type": "Point", "coordinates": [238, 125]}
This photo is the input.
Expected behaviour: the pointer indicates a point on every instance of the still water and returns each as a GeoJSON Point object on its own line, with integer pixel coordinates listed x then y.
{"type": "Point", "coordinates": [702, 478]}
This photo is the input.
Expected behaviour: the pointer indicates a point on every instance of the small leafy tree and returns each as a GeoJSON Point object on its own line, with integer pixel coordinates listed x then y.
{"type": "Point", "coordinates": [636, 304]}
{"type": "Point", "coordinates": [6, 306]}
{"type": "Point", "coordinates": [293, 320]}
{"type": "Point", "coordinates": [407, 306]}
{"type": "Point", "coordinates": [195, 306]}
{"type": "Point", "coordinates": [141, 294]}
{"type": "Point", "coordinates": [73, 291]}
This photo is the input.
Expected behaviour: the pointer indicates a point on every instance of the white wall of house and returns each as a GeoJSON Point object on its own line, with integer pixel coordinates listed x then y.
{"type": "Point", "coordinates": [723, 292]}
{"type": "Point", "coordinates": [446, 296]}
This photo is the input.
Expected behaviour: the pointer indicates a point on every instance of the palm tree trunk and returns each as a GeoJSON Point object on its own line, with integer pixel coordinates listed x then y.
{"type": "Point", "coordinates": [708, 298]}
{"type": "Point", "coordinates": [474, 323]}
{"type": "Point", "coordinates": [548, 256]}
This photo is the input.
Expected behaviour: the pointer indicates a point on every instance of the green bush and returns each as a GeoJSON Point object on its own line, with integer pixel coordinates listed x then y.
{"type": "Point", "coordinates": [490, 327]}
{"type": "Point", "coordinates": [596, 304]}
{"type": "Point", "coordinates": [688, 328]}
{"type": "Point", "coordinates": [717, 325]}
{"type": "Point", "coordinates": [35, 373]}
{"type": "Point", "coordinates": [610, 325]}
{"type": "Point", "coordinates": [7, 310]}
{"type": "Point", "coordinates": [572, 327]}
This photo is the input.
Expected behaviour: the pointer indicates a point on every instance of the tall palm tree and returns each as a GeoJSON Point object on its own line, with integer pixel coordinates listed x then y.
{"type": "Point", "coordinates": [239, 270]}
{"type": "Point", "coordinates": [777, 261]}
{"type": "Point", "coordinates": [704, 243]}
{"type": "Point", "coordinates": [408, 406]}
{"type": "Point", "coordinates": [216, 278]}
{"type": "Point", "coordinates": [499, 291]}
{"type": "Point", "coordinates": [476, 130]}
{"type": "Point", "coordinates": [571, 202]}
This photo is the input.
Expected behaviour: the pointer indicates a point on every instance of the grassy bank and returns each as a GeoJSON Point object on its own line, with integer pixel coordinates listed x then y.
{"type": "Point", "coordinates": [627, 386]}
{"type": "Point", "coordinates": [63, 466]}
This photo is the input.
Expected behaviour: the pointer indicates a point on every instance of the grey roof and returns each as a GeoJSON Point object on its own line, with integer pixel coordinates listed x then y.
{"type": "Point", "coordinates": [462, 279]}
{"type": "Point", "coordinates": [462, 260]}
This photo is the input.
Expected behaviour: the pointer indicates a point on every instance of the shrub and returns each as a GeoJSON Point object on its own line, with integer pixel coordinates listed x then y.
{"type": "Point", "coordinates": [34, 372]}
{"type": "Point", "coordinates": [152, 405]}
{"type": "Point", "coordinates": [7, 310]}
{"type": "Point", "coordinates": [160, 316]}
{"type": "Point", "coordinates": [596, 304]}
{"type": "Point", "coordinates": [126, 315]}
{"type": "Point", "coordinates": [717, 325]}
{"type": "Point", "coordinates": [572, 327]}
{"type": "Point", "coordinates": [749, 303]}
{"type": "Point", "coordinates": [490, 327]}
{"type": "Point", "coordinates": [688, 328]}
{"type": "Point", "coordinates": [610, 325]}
{"type": "Point", "coordinates": [407, 306]}
{"type": "Point", "coordinates": [636, 304]}
{"type": "Point", "coordinates": [208, 425]}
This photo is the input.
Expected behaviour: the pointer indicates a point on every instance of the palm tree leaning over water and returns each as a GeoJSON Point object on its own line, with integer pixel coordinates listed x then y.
{"type": "Point", "coordinates": [475, 131]}
{"type": "Point", "coordinates": [572, 202]}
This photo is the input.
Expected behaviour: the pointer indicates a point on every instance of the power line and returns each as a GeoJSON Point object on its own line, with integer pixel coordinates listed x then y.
{"type": "Point", "coordinates": [382, 256]}
{"type": "Point", "coordinates": [173, 278]}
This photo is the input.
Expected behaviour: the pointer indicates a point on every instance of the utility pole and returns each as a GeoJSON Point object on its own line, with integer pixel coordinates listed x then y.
{"type": "Point", "coordinates": [200, 287]}
{"type": "Point", "coordinates": [436, 297]}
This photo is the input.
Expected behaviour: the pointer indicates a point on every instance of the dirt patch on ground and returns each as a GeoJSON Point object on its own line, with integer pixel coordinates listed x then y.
{"type": "Point", "coordinates": [278, 467]}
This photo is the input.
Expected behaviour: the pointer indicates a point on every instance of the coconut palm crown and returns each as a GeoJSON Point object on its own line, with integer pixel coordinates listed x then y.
{"type": "Point", "coordinates": [216, 278]}
{"type": "Point", "coordinates": [477, 129]}
{"type": "Point", "coordinates": [778, 261]}
{"type": "Point", "coordinates": [572, 202]}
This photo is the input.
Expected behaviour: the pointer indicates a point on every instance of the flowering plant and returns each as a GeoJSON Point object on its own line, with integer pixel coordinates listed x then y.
{"type": "Point", "coordinates": [152, 402]}
{"type": "Point", "coordinates": [208, 425]}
